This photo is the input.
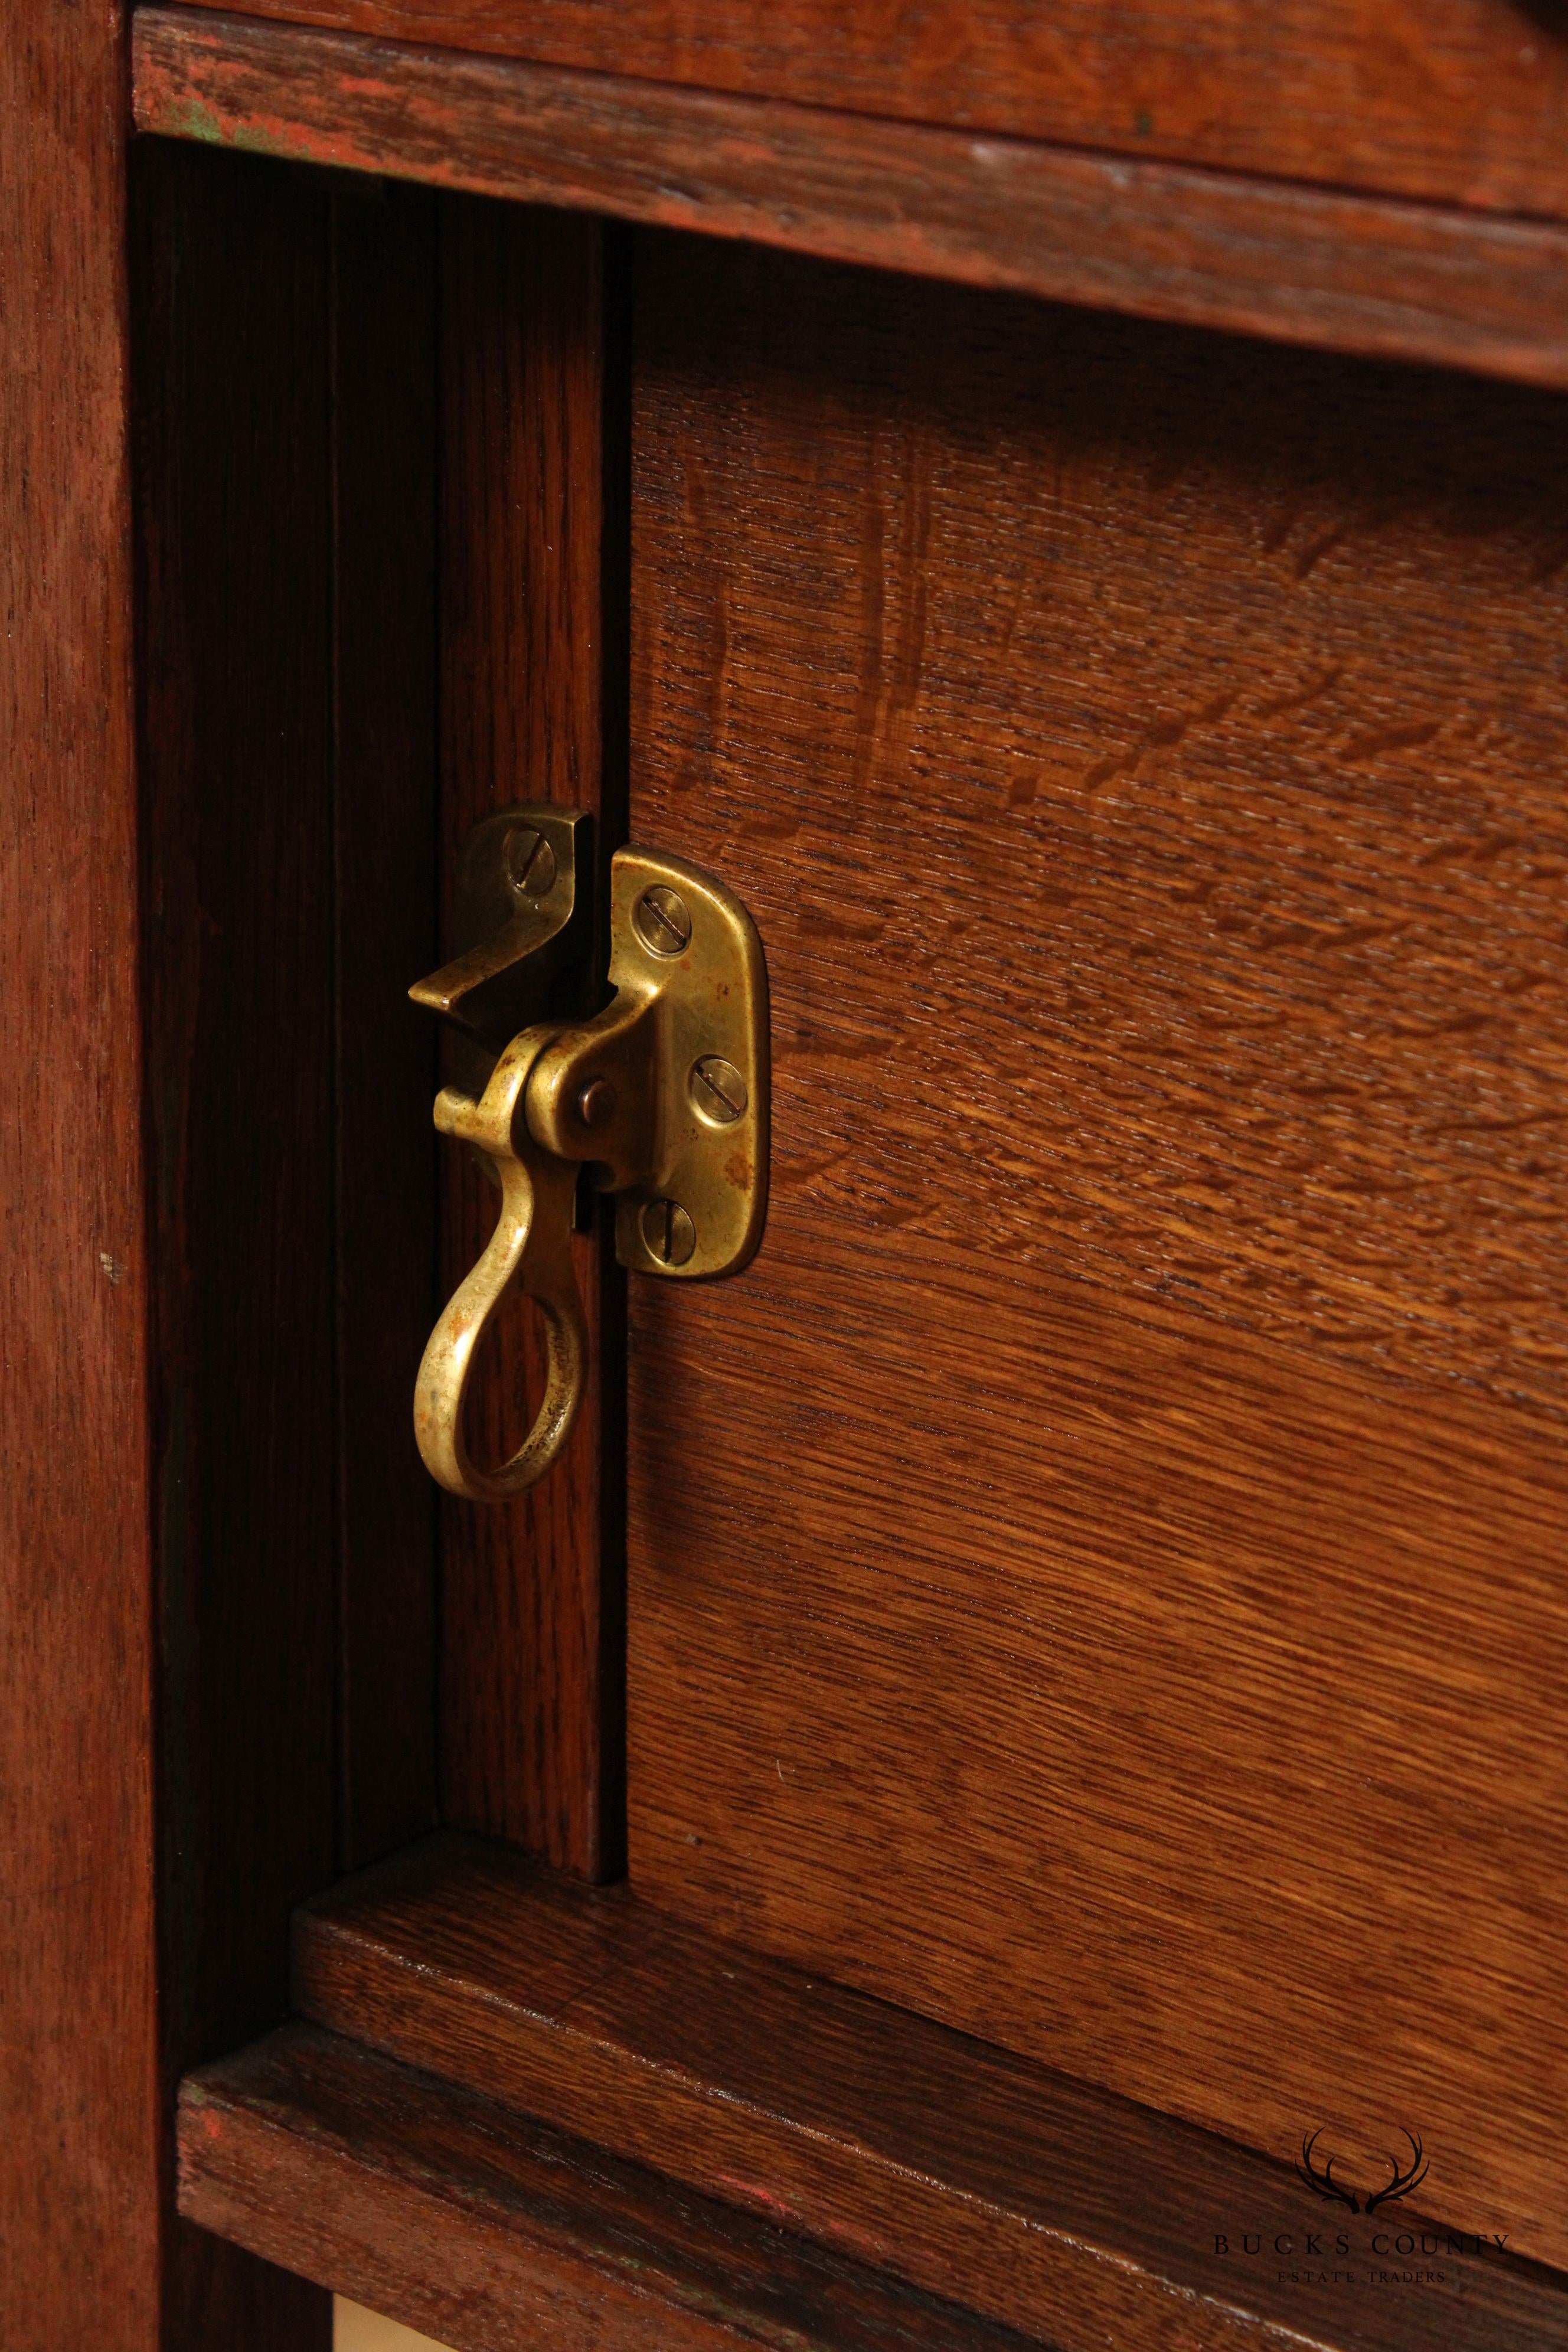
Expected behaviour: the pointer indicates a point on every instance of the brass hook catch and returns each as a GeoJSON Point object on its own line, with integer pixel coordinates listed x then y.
{"type": "Point", "coordinates": [530, 1250]}
{"type": "Point", "coordinates": [663, 1096]}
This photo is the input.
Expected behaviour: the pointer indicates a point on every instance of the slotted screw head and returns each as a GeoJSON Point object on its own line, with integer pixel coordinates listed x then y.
{"type": "Point", "coordinates": [667, 1232]}
{"type": "Point", "coordinates": [718, 1089]}
{"type": "Point", "coordinates": [662, 921]}
{"type": "Point", "coordinates": [530, 861]}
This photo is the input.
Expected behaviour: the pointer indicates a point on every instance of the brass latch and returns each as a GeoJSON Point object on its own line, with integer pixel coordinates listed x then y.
{"type": "Point", "coordinates": [663, 1096]}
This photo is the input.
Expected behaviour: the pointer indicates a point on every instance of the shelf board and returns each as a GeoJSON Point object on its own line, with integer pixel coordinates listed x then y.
{"type": "Point", "coordinates": [1043, 2205]}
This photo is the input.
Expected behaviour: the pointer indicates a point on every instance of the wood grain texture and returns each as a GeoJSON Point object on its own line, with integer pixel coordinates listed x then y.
{"type": "Point", "coordinates": [530, 1612]}
{"type": "Point", "coordinates": [384, 381]}
{"type": "Point", "coordinates": [1216, 248]}
{"type": "Point", "coordinates": [1456, 99]}
{"type": "Point", "coordinates": [490, 2231]}
{"type": "Point", "coordinates": [79, 2160]}
{"type": "Point", "coordinates": [235, 682]}
{"type": "Point", "coordinates": [1038, 2201]}
{"type": "Point", "coordinates": [1113, 1600]}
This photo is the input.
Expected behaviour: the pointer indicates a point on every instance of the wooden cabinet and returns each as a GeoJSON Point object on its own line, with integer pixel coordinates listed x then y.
{"type": "Point", "coordinates": [1023, 1725]}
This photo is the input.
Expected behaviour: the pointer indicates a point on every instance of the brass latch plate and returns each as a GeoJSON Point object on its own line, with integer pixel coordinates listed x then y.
{"type": "Point", "coordinates": [662, 1096]}
{"type": "Point", "coordinates": [666, 1091]}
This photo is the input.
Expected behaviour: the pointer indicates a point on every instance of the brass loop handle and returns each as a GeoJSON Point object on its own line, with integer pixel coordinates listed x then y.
{"type": "Point", "coordinates": [530, 1250]}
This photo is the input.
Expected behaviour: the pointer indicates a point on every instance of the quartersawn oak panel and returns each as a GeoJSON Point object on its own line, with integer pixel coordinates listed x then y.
{"type": "Point", "coordinates": [1112, 1599]}
{"type": "Point", "coordinates": [1456, 98]}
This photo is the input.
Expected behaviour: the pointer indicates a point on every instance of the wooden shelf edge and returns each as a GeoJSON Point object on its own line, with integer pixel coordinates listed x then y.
{"type": "Point", "coordinates": [1048, 2207]}
{"type": "Point", "coordinates": [487, 2229]}
{"type": "Point", "coordinates": [1382, 277]}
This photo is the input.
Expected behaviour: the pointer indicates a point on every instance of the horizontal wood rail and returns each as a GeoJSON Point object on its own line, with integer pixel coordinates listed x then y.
{"type": "Point", "coordinates": [1380, 276]}
{"type": "Point", "coordinates": [1457, 101]}
{"type": "Point", "coordinates": [956, 2174]}
{"type": "Point", "coordinates": [490, 2231]}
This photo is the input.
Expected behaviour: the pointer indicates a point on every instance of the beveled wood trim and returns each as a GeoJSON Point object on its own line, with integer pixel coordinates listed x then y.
{"type": "Point", "coordinates": [490, 2231]}
{"type": "Point", "coordinates": [1046, 2205]}
{"type": "Point", "coordinates": [1365, 274]}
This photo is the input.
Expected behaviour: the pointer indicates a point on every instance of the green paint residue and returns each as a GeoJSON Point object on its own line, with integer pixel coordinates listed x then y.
{"type": "Point", "coordinates": [193, 117]}
{"type": "Point", "coordinates": [1143, 123]}
{"type": "Point", "coordinates": [257, 140]}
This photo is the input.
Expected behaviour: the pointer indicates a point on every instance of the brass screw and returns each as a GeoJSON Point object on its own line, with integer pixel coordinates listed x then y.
{"type": "Point", "coordinates": [718, 1089]}
{"type": "Point", "coordinates": [596, 1102]}
{"type": "Point", "coordinates": [668, 1234]}
{"type": "Point", "coordinates": [530, 861]}
{"type": "Point", "coordinates": [663, 923]}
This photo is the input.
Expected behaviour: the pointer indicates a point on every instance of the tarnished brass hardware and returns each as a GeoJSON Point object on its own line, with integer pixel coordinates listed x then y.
{"type": "Point", "coordinates": [530, 1250]}
{"type": "Point", "coordinates": [663, 1096]}
{"type": "Point", "coordinates": [718, 1090]}
{"type": "Point", "coordinates": [525, 912]}
{"type": "Point", "coordinates": [684, 1045]}
{"type": "Point", "coordinates": [669, 1235]}
{"type": "Point", "coordinates": [662, 921]}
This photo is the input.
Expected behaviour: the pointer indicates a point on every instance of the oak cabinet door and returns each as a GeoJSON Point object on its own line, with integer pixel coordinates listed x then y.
{"type": "Point", "coordinates": [1096, 1579]}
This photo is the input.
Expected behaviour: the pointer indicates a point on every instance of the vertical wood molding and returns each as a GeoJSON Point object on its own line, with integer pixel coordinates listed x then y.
{"type": "Point", "coordinates": [235, 512]}
{"type": "Point", "coordinates": [384, 312]}
{"type": "Point", "coordinates": [79, 2158]}
{"type": "Point", "coordinates": [530, 1627]}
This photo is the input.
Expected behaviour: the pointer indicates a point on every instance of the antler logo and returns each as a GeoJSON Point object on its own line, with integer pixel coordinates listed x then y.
{"type": "Point", "coordinates": [1323, 2184]}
